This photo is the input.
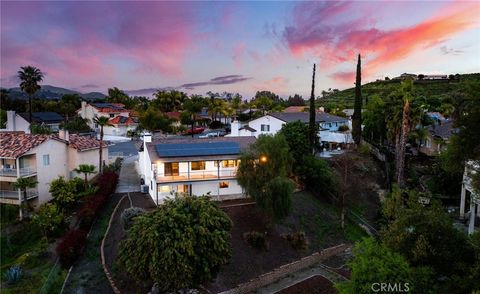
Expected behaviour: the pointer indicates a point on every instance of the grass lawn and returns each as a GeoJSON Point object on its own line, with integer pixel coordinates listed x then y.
{"type": "Point", "coordinates": [27, 247]}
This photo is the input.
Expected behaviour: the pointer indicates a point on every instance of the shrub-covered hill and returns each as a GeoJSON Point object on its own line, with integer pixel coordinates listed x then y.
{"type": "Point", "coordinates": [432, 90]}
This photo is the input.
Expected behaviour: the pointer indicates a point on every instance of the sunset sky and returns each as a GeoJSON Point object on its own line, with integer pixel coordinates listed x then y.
{"type": "Point", "coordinates": [234, 46]}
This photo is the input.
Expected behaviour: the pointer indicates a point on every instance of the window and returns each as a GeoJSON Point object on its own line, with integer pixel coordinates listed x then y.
{"type": "Point", "coordinates": [223, 185]}
{"type": "Point", "coordinates": [229, 163]}
{"type": "Point", "coordinates": [171, 168]}
{"type": "Point", "coordinates": [265, 128]}
{"type": "Point", "coordinates": [182, 189]}
{"type": "Point", "coordinates": [112, 115]}
{"type": "Point", "coordinates": [198, 165]}
{"type": "Point", "coordinates": [46, 160]}
{"type": "Point", "coordinates": [428, 143]}
{"type": "Point", "coordinates": [164, 189]}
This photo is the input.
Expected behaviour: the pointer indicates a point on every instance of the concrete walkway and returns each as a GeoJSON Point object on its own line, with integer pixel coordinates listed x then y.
{"type": "Point", "coordinates": [129, 180]}
{"type": "Point", "coordinates": [302, 275]}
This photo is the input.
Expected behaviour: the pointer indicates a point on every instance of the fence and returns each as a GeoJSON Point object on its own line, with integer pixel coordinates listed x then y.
{"type": "Point", "coordinates": [287, 269]}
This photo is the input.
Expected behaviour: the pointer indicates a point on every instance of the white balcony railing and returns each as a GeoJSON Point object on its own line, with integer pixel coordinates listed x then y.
{"type": "Point", "coordinates": [12, 172]}
{"type": "Point", "coordinates": [198, 175]}
{"type": "Point", "coordinates": [13, 194]}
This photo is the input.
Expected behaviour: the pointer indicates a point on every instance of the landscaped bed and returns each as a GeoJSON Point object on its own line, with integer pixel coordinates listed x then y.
{"type": "Point", "coordinates": [318, 219]}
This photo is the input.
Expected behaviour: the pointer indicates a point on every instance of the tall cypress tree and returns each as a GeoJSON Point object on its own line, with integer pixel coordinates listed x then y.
{"type": "Point", "coordinates": [312, 127]}
{"type": "Point", "coordinates": [357, 113]}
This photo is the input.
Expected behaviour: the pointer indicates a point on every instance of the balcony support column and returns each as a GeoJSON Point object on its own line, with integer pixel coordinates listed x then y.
{"type": "Point", "coordinates": [218, 169]}
{"type": "Point", "coordinates": [20, 210]}
{"type": "Point", "coordinates": [462, 202]}
{"type": "Point", "coordinates": [188, 169]}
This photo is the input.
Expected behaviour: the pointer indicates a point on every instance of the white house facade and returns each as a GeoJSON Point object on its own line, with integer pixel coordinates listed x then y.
{"type": "Point", "coordinates": [20, 122]}
{"type": "Point", "coordinates": [468, 193]}
{"type": "Point", "coordinates": [193, 166]}
{"type": "Point", "coordinates": [43, 158]}
{"type": "Point", "coordinates": [272, 123]}
{"type": "Point", "coordinates": [119, 116]}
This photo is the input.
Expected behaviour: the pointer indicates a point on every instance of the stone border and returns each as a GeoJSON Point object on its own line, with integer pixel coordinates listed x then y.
{"type": "Point", "coordinates": [104, 265]}
{"type": "Point", "coordinates": [285, 270]}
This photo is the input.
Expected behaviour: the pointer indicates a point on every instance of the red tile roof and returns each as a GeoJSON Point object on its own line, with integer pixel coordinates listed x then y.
{"type": "Point", "coordinates": [15, 144]}
{"type": "Point", "coordinates": [122, 120]}
{"type": "Point", "coordinates": [173, 115]}
{"type": "Point", "coordinates": [83, 143]}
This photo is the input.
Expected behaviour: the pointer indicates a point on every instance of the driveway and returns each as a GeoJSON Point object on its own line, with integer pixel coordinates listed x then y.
{"type": "Point", "coordinates": [129, 180]}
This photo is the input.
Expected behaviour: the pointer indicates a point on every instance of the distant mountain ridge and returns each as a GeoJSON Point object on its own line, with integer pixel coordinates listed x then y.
{"type": "Point", "coordinates": [51, 92]}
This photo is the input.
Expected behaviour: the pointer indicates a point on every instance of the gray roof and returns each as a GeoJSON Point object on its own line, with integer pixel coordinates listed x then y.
{"type": "Point", "coordinates": [305, 117]}
{"type": "Point", "coordinates": [444, 130]}
{"type": "Point", "coordinates": [248, 128]}
{"type": "Point", "coordinates": [43, 117]}
{"type": "Point", "coordinates": [241, 142]}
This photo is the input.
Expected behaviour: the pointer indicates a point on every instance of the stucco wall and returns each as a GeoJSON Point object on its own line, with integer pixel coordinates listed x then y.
{"type": "Point", "coordinates": [85, 157]}
{"type": "Point", "coordinates": [57, 152]}
{"type": "Point", "coordinates": [275, 125]}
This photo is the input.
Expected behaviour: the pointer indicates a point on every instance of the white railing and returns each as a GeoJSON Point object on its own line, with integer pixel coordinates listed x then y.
{"type": "Point", "coordinates": [12, 172]}
{"type": "Point", "coordinates": [13, 194]}
{"type": "Point", "coordinates": [197, 175]}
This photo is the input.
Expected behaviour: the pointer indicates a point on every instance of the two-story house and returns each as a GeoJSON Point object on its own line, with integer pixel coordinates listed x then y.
{"type": "Point", "coordinates": [21, 121]}
{"type": "Point", "coordinates": [272, 123]}
{"type": "Point", "coordinates": [112, 111]}
{"type": "Point", "coordinates": [44, 158]}
{"type": "Point", "coordinates": [468, 193]}
{"type": "Point", "coordinates": [192, 165]}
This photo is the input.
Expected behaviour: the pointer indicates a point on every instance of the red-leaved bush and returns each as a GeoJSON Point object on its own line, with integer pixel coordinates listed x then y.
{"type": "Point", "coordinates": [71, 246]}
{"type": "Point", "coordinates": [73, 241]}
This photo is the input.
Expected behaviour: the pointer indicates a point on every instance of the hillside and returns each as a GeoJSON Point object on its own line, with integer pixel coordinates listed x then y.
{"type": "Point", "coordinates": [429, 89]}
{"type": "Point", "coordinates": [52, 92]}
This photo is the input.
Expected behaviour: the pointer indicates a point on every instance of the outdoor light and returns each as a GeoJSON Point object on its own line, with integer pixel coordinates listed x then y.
{"type": "Point", "coordinates": [263, 159]}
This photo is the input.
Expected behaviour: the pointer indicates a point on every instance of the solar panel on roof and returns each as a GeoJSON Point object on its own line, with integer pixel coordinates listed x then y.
{"type": "Point", "coordinates": [197, 149]}
{"type": "Point", "coordinates": [47, 116]}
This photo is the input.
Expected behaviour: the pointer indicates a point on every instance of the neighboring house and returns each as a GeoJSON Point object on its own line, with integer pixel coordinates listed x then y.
{"type": "Point", "coordinates": [44, 158]}
{"type": "Point", "coordinates": [21, 121]}
{"type": "Point", "coordinates": [471, 168]}
{"type": "Point", "coordinates": [437, 117]}
{"type": "Point", "coordinates": [120, 125]}
{"type": "Point", "coordinates": [272, 123]}
{"type": "Point", "coordinates": [437, 138]}
{"type": "Point", "coordinates": [111, 110]}
{"type": "Point", "coordinates": [193, 166]}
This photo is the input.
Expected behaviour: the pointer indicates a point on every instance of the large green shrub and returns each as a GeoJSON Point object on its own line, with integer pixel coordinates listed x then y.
{"type": "Point", "coordinates": [182, 244]}
{"type": "Point", "coordinates": [49, 218]}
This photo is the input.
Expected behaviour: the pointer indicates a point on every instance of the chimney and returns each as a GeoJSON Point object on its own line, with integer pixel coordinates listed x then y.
{"type": "Point", "coordinates": [83, 114]}
{"type": "Point", "coordinates": [11, 121]}
{"type": "Point", "coordinates": [235, 128]}
{"type": "Point", "coordinates": [63, 134]}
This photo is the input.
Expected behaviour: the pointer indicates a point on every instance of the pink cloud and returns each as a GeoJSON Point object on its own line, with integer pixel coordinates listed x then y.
{"type": "Point", "coordinates": [332, 32]}
{"type": "Point", "coordinates": [89, 41]}
{"type": "Point", "coordinates": [277, 84]}
{"type": "Point", "coordinates": [239, 53]}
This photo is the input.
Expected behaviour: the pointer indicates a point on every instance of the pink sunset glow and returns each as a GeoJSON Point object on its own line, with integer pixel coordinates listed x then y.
{"type": "Point", "coordinates": [271, 45]}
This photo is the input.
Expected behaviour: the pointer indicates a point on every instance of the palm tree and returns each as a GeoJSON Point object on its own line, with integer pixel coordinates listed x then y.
{"type": "Point", "coordinates": [30, 76]}
{"type": "Point", "coordinates": [85, 169]}
{"type": "Point", "coordinates": [23, 184]}
{"type": "Point", "coordinates": [101, 121]}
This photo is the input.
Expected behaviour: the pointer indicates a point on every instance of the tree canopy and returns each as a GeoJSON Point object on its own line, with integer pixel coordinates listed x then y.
{"type": "Point", "coordinates": [264, 168]}
{"type": "Point", "coordinates": [182, 244]}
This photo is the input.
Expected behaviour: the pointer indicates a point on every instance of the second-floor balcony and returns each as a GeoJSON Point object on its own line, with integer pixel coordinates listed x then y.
{"type": "Point", "coordinates": [197, 175]}
{"type": "Point", "coordinates": [13, 172]}
{"type": "Point", "coordinates": [12, 196]}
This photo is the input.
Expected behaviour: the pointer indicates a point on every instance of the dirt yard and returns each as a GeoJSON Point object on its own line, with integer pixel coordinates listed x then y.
{"type": "Point", "coordinates": [313, 285]}
{"type": "Point", "coordinates": [319, 220]}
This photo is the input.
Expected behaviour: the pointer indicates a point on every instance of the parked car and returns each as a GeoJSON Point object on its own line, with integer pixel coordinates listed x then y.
{"type": "Point", "coordinates": [197, 130]}
{"type": "Point", "coordinates": [210, 135]}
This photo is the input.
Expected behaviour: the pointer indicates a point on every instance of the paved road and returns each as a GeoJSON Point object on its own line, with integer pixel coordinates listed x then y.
{"type": "Point", "coordinates": [129, 180]}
